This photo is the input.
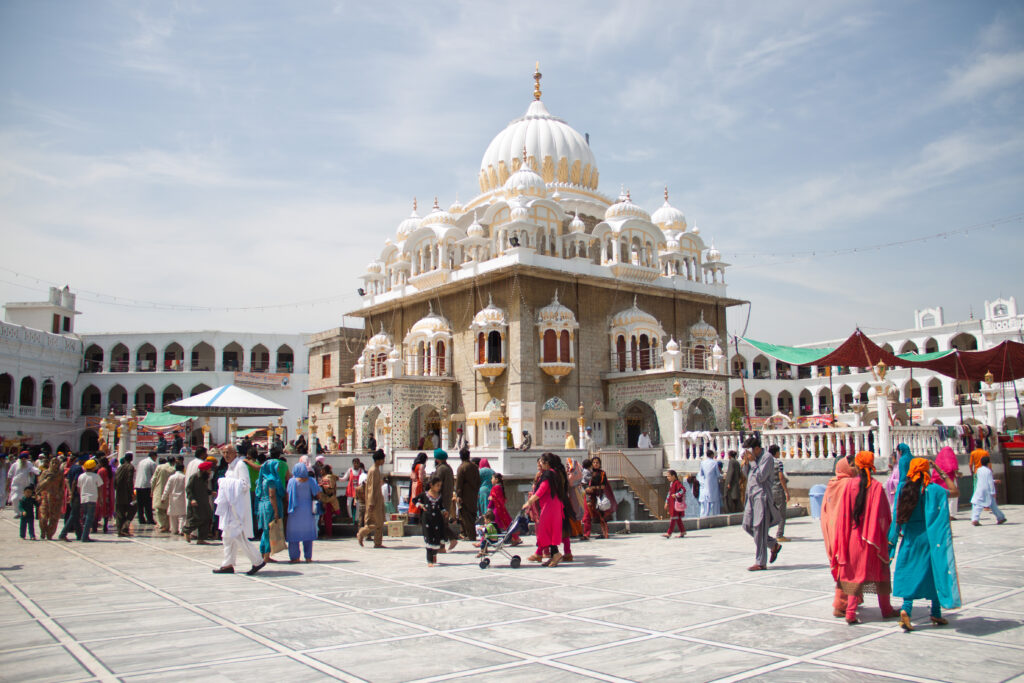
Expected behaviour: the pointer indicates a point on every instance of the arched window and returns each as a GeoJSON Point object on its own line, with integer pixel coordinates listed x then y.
{"type": "Point", "coordinates": [482, 348]}
{"type": "Point", "coordinates": [440, 357]}
{"type": "Point", "coordinates": [699, 354]}
{"type": "Point", "coordinates": [620, 351]}
{"type": "Point", "coordinates": [550, 346]}
{"type": "Point", "coordinates": [645, 353]}
{"type": "Point", "coordinates": [563, 347]}
{"type": "Point", "coordinates": [494, 347]}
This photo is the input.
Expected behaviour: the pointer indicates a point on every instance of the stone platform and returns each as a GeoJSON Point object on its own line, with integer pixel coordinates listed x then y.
{"type": "Point", "coordinates": [634, 607]}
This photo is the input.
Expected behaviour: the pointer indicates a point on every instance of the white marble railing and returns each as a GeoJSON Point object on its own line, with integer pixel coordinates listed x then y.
{"type": "Point", "coordinates": [821, 442]}
{"type": "Point", "coordinates": [924, 440]}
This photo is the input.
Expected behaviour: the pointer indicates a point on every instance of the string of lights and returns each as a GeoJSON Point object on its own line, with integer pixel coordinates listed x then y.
{"type": "Point", "coordinates": [863, 248]}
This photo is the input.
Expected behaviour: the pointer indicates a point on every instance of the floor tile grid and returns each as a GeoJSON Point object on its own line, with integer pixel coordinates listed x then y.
{"type": "Point", "coordinates": [453, 634]}
{"type": "Point", "coordinates": [525, 658]}
{"type": "Point", "coordinates": [240, 630]}
{"type": "Point", "coordinates": [62, 637]}
{"type": "Point", "coordinates": [786, 660]}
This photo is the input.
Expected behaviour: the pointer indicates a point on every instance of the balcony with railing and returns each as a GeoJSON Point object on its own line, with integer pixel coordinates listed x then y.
{"type": "Point", "coordinates": [27, 411]}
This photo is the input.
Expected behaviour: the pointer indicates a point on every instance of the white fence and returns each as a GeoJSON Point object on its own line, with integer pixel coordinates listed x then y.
{"type": "Point", "coordinates": [821, 442]}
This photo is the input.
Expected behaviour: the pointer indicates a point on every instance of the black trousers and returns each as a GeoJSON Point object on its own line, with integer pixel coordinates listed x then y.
{"type": "Point", "coordinates": [144, 498]}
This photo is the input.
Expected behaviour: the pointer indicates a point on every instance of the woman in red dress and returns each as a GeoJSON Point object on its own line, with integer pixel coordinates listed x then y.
{"type": "Point", "coordinates": [497, 503]}
{"type": "Point", "coordinates": [860, 545]}
{"type": "Point", "coordinates": [105, 503]}
{"type": "Point", "coordinates": [548, 497]}
{"type": "Point", "coordinates": [416, 486]}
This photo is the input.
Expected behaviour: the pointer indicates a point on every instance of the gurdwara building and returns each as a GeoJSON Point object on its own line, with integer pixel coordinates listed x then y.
{"type": "Point", "coordinates": [540, 302]}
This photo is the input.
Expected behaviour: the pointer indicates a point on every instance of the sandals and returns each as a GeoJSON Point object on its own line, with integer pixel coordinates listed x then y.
{"type": "Point", "coordinates": [905, 622]}
{"type": "Point", "coordinates": [939, 621]}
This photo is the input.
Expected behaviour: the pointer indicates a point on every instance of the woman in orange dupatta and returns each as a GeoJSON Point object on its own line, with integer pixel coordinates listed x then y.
{"type": "Point", "coordinates": [860, 546]}
{"type": "Point", "coordinates": [829, 507]}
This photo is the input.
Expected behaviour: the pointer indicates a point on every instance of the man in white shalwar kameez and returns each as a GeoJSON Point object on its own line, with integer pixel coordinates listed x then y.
{"type": "Point", "coordinates": [234, 509]}
{"type": "Point", "coordinates": [710, 492]}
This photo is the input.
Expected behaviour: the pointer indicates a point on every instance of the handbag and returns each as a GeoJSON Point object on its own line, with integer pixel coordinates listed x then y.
{"type": "Point", "coordinates": [277, 542]}
{"type": "Point", "coordinates": [603, 504]}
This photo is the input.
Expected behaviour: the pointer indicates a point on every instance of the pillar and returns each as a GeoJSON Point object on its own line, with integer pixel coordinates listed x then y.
{"type": "Point", "coordinates": [122, 442]}
{"type": "Point", "coordinates": [883, 446]}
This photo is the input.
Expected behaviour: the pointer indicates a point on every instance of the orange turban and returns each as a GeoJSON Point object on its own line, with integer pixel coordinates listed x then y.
{"type": "Point", "coordinates": [865, 460]}
{"type": "Point", "coordinates": [920, 468]}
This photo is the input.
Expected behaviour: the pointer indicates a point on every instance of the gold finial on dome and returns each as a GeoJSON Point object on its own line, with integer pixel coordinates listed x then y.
{"type": "Point", "coordinates": [414, 206]}
{"type": "Point", "coordinates": [437, 207]}
{"type": "Point", "coordinates": [628, 198]}
{"type": "Point", "coordinates": [536, 81]}
{"type": "Point", "coordinates": [666, 193]}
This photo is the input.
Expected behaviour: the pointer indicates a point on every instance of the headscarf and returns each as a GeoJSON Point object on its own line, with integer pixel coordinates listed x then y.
{"type": "Point", "coordinates": [920, 469]}
{"type": "Point", "coordinates": [831, 501]}
{"type": "Point", "coordinates": [304, 460]}
{"type": "Point", "coordinates": [205, 466]}
{"type": "Point", "coordinates": [484, 463]}
{"type": "Point", "coordinates": [946, 461]}
{"type": "Point", "coordinates": [320, 459]}
{"type": "Point", "coordinates": [300, 470]}
{"type": "Point", "coordinates": [440, 454]}
{"type": "Point", "coordinates": [270, 478]}
{"type": "Point", "coordinates": [90, 464]}
{"type": "Point", "coordinates": [865, 460]}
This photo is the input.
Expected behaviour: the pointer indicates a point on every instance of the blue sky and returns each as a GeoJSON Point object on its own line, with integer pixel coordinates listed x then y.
{"type": "Point", "coordinates": [252, 153]}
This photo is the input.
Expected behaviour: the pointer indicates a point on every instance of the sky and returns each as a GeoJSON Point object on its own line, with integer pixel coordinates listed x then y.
{"type": "Point", "coordinates": [252, 157]}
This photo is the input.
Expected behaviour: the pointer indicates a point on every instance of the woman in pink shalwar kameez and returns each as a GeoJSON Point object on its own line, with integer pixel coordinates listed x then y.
{"type": "Point", "coordinates": [548, 497]}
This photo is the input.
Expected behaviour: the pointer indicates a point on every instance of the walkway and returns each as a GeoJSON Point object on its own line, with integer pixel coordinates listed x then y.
{"type": "Point", "coordinates": [634, 608]}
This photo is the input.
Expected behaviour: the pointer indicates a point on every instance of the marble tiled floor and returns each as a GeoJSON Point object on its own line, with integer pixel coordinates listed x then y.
{"type": "Point", "coordinates": [633, 607]}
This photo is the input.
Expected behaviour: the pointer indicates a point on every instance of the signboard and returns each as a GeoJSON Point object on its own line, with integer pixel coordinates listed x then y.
{"type": "Point", "coordinates": [263, 380]}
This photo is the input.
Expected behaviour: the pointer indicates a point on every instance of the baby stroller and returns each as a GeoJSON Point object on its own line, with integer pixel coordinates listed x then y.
{"type": "Point", "coordinates": [520, 525]}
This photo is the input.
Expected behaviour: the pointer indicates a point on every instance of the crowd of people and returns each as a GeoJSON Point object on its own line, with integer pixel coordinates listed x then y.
{"type": "Point", "coordinates": [241, 498]}
{"type": "Point", "coordinates": [867, 526]}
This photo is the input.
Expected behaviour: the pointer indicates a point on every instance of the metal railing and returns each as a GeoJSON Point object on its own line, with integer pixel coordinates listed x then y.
{"type": "Point", "coordinates": [618, 466]}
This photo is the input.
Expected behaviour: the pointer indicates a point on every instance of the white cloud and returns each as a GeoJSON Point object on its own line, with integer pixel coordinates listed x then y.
{"type": "Point", "coordinates": [985, 73]}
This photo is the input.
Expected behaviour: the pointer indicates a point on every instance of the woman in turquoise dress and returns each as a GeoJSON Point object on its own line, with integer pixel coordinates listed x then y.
{"type": "Point", "coordinates": [486, 474]}
{"type": "Point", "coordinates": [270, 501]}
{"type": "Point", "coordinates": [925, 566]}
{"type": "Point", "coordinates": [301, 527]}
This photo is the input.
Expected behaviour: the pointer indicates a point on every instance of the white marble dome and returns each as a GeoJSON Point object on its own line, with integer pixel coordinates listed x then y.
{"type": "Point", "coordinates": [373, 267]}
{"type": "Point", "coordinates": [555, 312]}
{"type": "Point", "coordinates": [634, 316]}
{"type": "Point", "coordinates": [431, 323]}
{"type": "Point", "coordinates": [625, 208]}
{"type": "Point", "coordinates": [559, 152]}
{"type": "Point", "coordinates": [381, 339]}
{"type": "Point", "coordinates": [714, 256]}
{"type": "Point", "coordinates": [410, 224]}
{"type": "Point", "coordinates": [577, 224]}
{"type": "Point", "coordinates": [456, 209]}
{"type": "Point", "coordinates": [525, 182]}
{"type": "Point", "coordinates": [438, 217]}
{"type": "Point", "coordinates": [475, 229]}
{"type": "Point", "coordinates": [668, 217]}
{"type": "Point", "coordinates": [489, 316]}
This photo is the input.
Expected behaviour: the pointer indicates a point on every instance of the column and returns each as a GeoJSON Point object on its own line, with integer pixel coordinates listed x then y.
{"type": "Point", "coordinates": [883, 446]}
{"type": "Point", "coordinates": [122, 442]}
{"type": "Point", "coordinates": [677, 427]}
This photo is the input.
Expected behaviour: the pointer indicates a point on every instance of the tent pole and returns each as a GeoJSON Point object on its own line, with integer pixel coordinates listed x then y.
{"type": "Point", "coordinates": [743, 387]}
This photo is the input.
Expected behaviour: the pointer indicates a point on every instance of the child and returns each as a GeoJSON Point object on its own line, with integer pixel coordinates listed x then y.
{"type": "Point", "coordinates": [675, 503]}
{"type": "Point", "coordinates": [487, 533]}
{"type": "Point", "coordinates": [27, 507]}
{"type": "Point", "coordinates": [434, 518]}
{"type": "Point", "coordinates": [496, 503]}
